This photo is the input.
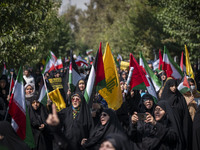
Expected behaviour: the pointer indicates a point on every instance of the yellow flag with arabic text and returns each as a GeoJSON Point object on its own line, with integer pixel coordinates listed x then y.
{"type": "Point", "coordinates": [112, 92]}
{"type": "Point", "coordinates": [57, 99]}
{"type": "Point", "coordinates": [188, 66]}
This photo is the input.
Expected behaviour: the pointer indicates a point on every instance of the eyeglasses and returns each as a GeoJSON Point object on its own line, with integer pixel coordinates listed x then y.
{"type": "Point", "coordinates": [77, 99]}
{"type": "Point", "coordinates": [104, 114]}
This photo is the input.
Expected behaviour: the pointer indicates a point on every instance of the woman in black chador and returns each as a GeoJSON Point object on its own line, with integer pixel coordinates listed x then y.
{"type": "Point", "coordinates": [180, 110]}
{"type": "Point", "coordinates": [108, 124]}
{"type": "Point", "coordinates": [9, 140]}
{"type": "Point", "coordinates": [38, 116]}
{"type": "Point", "coordinates": [73, 123]}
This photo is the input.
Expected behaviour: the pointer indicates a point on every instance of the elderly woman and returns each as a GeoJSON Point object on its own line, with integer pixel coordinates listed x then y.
{"type": "Point", "coordinates": [75, 122]}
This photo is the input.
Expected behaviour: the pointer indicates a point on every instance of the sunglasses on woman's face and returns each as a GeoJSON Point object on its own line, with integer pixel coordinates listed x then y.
{"type": "Point", "coordinates": [104, 114]}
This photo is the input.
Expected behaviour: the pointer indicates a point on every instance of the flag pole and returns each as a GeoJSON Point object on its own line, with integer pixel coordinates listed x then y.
{"type": "Point", "coordinates": [45, 87]}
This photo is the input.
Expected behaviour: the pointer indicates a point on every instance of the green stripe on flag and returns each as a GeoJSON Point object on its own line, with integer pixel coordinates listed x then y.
{"type": "Point", "coordinates": [29, 140]}
{"type": "Point", "coordinates": [141, 86]}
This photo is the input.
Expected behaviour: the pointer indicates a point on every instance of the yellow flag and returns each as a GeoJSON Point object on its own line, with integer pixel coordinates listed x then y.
{"type": "Point", "coordinates": [112, 92]}
{"type": "Point", "coordinates": [189, 70]}
{"type": "Point", "coordinates": [43, 61]}
{"type": "Point", "coordinates": [124, 65]}
{"type": "Point", "coordinates": [57, 99]}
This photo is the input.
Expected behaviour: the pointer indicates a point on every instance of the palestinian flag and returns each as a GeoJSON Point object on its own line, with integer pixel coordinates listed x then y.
{"type": "Point", "coordinates": [97, 72]}
{"type": "Point", "coordinates": [155, 81]}
{"type": "Point", "coordinates": [43, 92]}
{"type": "Point", "coordinates": [74, 75]}
{"type": "Point", "coordinates": [19, 113]}
{"type": "Point", "coordinates": [138, 80]}
{"type": "Point", "coordinates": [170, 67]}
{"type": "Point", "coordinates": [59, 64]}
{"type": "Point", "coordinates": [184, 86]}
{"type": "Point", "coordinates": [4, 72]}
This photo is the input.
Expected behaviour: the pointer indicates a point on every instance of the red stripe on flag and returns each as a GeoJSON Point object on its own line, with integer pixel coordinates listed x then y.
{"type": "Point", "coordinates": [18, 116]}
{"type": "Point", "coordinates": [185, 82]}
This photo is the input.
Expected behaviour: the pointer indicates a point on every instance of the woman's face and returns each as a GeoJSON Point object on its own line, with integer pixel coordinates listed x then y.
{"type": "Point", "coordinates": [106, 145]}
{"type": "Point", "coordinates": [76, 101]}
{"type": "Point", "coordinates": [158, 113]}
{"type": "Point", "coordinates": [35, 104]}
{"type": "Point", "coordinates": [173, 88]}
{"type": "Point", "coordinates": [2, 84]}
{"type": "Point", "coordinates": [148, 104]}
{"type": "Point", "coordinates": [29, 90]}
{"type": "Point", "coordinates": [104, 118]}
{"type": "Point", "coordinates": [81, 85]}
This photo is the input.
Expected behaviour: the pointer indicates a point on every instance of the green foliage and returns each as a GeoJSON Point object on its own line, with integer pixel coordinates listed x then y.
{"type": "Point", "coordinates": [29, 29]}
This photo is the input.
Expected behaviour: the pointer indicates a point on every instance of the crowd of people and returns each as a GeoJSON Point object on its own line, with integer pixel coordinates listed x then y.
{"type": "Point", "coordinates": [141, 123]}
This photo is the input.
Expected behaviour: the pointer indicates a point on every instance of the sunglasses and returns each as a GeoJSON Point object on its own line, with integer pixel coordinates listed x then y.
{"type": "Point", "coordinates": [104, 114]}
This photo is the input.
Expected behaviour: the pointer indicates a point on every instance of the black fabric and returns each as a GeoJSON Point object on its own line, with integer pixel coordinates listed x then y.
{"type": "Point", "coordinates": [11, 140]}
{"type": "Point", "coordinates": [77, 89]}
{"type": "Point", "coordinates": [76, 129]}
{"type": "Point", "coordinates": [196, 130]}
{"type": "Point", "coordinates": [128, 108]}
{"type": "Point", "coordinates": [38, 117]}
{"type": "Point", "coordinates": [101, 131]}
{"type": "Point", "coordinates": [142, 108]}
{"type": "Point", "coordinates": [180, 110]}
{"type": "Point", "coordinates": [4, 91]}
{"type": "Point", "coordinates": [167, 131]}
{"type": "Point", "coordinates": [3, 109]}
{"type": "Point", "coordinates": [119, 141]}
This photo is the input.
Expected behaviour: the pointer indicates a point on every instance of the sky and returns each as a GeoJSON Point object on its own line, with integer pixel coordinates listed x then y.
{"type": "Point", "coordinates": [66, 3]}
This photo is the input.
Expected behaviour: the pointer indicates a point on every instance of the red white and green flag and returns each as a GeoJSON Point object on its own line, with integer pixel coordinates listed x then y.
{"type": "Point", "coordinates": [43, 92]}
{"type": "Point", "coordinates": [138, 80]}
{"type": "Point", "coordinates": [74, 75]}
{"type": "Point", "coordinates": [49, 66]}
{"type": "Point", "coordinates": [96, 77]}
{"type": "Point", "coordinates": [80, 61]}
{"type": "Point", "coordinates": [19, 113]}
{"type": "Point", "coordinates": [184, 86]}
{"type": "Point", "coordinates": [4, 72]}
{"type": "Point", "coordinates": [155, 81]}
{"type": "Point", "coordinates": [59, 64]}
{"type": "Point", "coordinates": [170, 67]}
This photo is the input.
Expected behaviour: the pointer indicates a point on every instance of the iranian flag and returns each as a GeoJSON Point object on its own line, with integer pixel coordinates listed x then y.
{"type": "Point", "coordinates": [19, 113]}
{"type": "Point", "coordinates": [155, 81]}
{"type": "Point", "coordinates": [184, 86]}
{"type": "Point", "coordinates": [80, 61]}
{"type": "Point", "coordinates": [74, 75]}
{"type": "Point", "coordinates": [53, 57]}
{"type": "Point", "coordinates": [43, 92]}
{"type": "Point", "coordinates": [59, 64]}
{"type": "Point", "coordinates": [97, 72]}
{"type": "Point", "coordinates": [170, 67]}
{"type": "Point", "coordinates": [49, 66]}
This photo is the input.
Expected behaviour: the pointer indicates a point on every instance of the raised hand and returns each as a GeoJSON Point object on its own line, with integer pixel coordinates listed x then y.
{"type": "Point", "coordinates": [53, 119]}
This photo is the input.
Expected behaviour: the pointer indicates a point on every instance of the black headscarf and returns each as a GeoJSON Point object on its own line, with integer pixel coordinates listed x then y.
{"type": "Point", "coordinates": [38, 117]}
{"type": "Point", "coordinates": [180, 110]}
{"type": "Point", "coordinates": [101, 131]}
{"type": "Point", "coordinates": [167, 132]}
{"type": "Point", "coordinates": [75, 129]}
{"type": "Point", "coordinates": [142, 107]}
{"type": "Point", "coordinates": [77, 87]}
{"type": "Point", "coordinates": [119, 141]}
{"type": "Point", "coordinates": [11, 140]}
